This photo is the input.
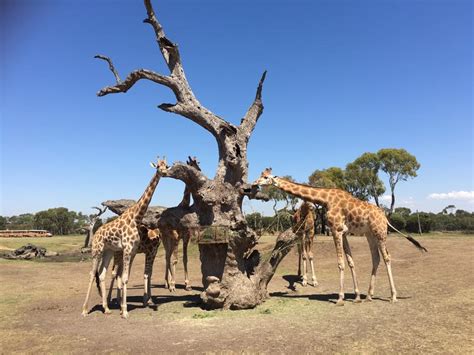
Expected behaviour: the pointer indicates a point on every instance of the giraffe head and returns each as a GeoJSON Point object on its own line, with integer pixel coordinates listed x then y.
{"type": "Point", "coordinates": [266, 178]}
{"type": "Point", "coordinates": [161, 166]}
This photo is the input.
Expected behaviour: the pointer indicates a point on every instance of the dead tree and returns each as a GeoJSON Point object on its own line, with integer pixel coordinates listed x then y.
{"type": "Point", "coordinates": [93, 218]}
{"type": "Point", "coordinates": [234, 275]}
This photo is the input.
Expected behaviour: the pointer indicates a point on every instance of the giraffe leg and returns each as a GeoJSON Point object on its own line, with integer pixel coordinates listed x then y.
{"type": "Point", "coordinates": [375, 264]}
{"type": "Point", "coordinates": [300, 257]}
{"type": "Point", "coordinates": [168, 253]}
{"type": "Point", "coordinates": [337, 236]}
{"type": "Point", "coordinates": [350, 262]}
{"type": "Point", "coordinates": [108, 254]}
{"type": "Point", "coordinates": [386, 258]}
{"type": "Point", "coordinates": [174, 261]}
{"type": "Point", "coordinates": [309, 252]}
{"type": "Point", "coordinates": [95, 265]}
{"type": "Point", "coordinates": [187, 284]}
{"type": "Point", "coordinates": [128, 255]}
{"type": "Point", "coordinates": [305, 259]}
{"type": "Point", "coordinates": [149, 259]}
{"type": "Point", "coordinates": [115, 267]}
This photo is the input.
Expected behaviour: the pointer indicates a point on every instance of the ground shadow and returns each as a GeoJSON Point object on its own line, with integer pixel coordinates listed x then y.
{"type": "Point", "coordinates": [330, 297]}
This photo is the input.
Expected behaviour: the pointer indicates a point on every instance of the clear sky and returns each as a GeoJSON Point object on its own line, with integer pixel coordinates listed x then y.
{"type": "Point", "coordinates": [344, 78]}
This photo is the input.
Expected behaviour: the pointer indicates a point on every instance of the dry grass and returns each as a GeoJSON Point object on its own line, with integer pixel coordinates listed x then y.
{"type": "Point", "coordinates": [40, 306]}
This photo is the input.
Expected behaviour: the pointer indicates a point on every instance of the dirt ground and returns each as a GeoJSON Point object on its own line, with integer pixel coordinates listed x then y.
{"type": "Point", "coordinates": [40, 306]}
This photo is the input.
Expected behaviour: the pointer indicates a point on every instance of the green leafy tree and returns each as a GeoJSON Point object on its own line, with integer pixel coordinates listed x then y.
{"type": "Point", "coordinates": [448, 209]}
{"type": "Point", "coordinates": [23, 221]}
{"type": "Point", "coordinates": [403, 211]}
{"type": "Point", "coordinates": [399, 165]}
{"type": "Point", "coordinates": [328, 178]}
{"type": "Point", "coordinates": [398, 221]}
{"type": "Point", "coordinates": [3, 222]}
{"type": "Point", "coordinates": [362, 177]}
{"type": "Point", "coordinates": [56, 220]}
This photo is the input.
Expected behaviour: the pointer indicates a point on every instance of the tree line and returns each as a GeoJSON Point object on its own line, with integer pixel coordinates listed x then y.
{"type": "Point", "coordinates": [58, 221]}
{"type": "Point", "coordinates": [402, 218]}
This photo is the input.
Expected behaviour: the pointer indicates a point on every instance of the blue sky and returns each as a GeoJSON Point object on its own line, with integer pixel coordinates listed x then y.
{"type": "Point", "coordinates": [344, 78]}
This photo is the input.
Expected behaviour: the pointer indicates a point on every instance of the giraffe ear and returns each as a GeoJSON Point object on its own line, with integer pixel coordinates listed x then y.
{"type": "Point", "coordinates": [153, 165]}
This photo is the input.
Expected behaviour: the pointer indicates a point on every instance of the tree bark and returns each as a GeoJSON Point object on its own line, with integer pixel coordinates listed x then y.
{"type": "Point", "coordinates": [233, 273]}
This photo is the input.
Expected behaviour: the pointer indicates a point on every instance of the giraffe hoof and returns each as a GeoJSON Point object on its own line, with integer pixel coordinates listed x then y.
{"type": "Point", "coordinates": [85, 313]}
{"type": "Point", "coordinates": [315, 283]}
{"type": "Point", "coordinates": [107, 311]}
{"type": "Point", "coordinates": [394, 300]}
{"type": "Point", "coordinates": [357, 300]}
{"type": "Point", "coordinates": [340, 303]}
{"type": "Point", "coordinates": [188, 288]}
{"type": "Point", "coordinates": [368, 299]}
{"type": "Point", "coordinates": [124, 315]}
{"type": "Point", "coordinates": [304, 283]}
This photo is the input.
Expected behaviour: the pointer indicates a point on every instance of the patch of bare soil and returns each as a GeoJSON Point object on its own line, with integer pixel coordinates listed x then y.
{"type": "Point", "coordinates": [40, 307]}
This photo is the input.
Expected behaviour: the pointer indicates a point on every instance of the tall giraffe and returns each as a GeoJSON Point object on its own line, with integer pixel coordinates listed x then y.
{"type": "Point", "coordinates": [303, 226]}
{"type": "Point", "coordinates": [171, 237]}
{"type": "Point", "coordinates": [149, 243]}
{"type": "Point", "coordinates": [346, 214]}
{"type": "Point", "coordinates": [121, 234]}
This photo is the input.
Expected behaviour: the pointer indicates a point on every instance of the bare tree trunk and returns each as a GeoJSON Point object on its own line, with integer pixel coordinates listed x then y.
{"type": "Point", "coordinates": [234, 275]}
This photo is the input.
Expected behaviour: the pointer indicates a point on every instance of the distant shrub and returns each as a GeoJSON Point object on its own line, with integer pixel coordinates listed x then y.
{"type": "Point", "coordinates": [398, 221]}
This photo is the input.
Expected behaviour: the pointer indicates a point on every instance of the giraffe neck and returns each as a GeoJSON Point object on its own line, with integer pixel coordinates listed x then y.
{"type": "Point", "coordinates": [316, 195]}
{"type": "Point", "coordinates": [186, 201]}
{"type": "Point", "coordinates": [142, 204]}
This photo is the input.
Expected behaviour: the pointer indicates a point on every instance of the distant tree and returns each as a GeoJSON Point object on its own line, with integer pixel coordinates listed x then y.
{"type": "Point", "coordinates": [328, 178]}
{"type": "Point", "coordinates": [3, 222]}
{"type": "Point", "coordinates": [398, 220]}
{"type": "Point", "coordinates": [56, 220]}
{"type": "Point", "coordinates": [426, 221]}
{"type": "Point", "coordinates": [462, 213]}
{"type": "Point", "coordinates": [362, 177]}
{"type": "Point", "coordinates": [448, 209]}
{"type": "Point", "coordinates": [403, 211]}
{"type": "Point", "coordinates": [399, 165]}
{"type": "Point", "coordinates": [23, 221]}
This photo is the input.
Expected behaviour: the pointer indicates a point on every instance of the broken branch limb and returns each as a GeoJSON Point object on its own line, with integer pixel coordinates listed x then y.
{"type": "Point", "coordinates": [192, 177]}
{"type": "Point", "coordinates": [251, 117]}
{"type": "Point", "coordinates": [111, 66]}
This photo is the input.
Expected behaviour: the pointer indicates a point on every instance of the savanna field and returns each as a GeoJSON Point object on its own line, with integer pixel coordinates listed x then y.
{"type": "Point", "coordinates": [40, 304]}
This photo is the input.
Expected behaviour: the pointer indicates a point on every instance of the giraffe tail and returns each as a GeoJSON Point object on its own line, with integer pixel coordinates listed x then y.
{"type": "Point", "coordinates": [97, 282]}
{"type": "Point", "coordinates": [411, 239]}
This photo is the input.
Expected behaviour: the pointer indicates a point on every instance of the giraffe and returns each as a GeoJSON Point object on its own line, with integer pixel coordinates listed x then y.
{"type": "Point", "coordinates": [303, 226]}
{"type": "Point", "coordinates": [347, 214]}
{"type": "Point", "coordinates": [171, 237]}
{"type": "Point", "coordinates": [149, 243]}
{"type": "Point", "coordinates": [121, 234]}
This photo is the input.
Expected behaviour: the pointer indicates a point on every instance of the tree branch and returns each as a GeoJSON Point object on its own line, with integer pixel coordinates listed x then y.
{"type": "Point", "coordinates": [253, 192]}
{"type": "Point", "coordinates": [192, 177]}
{"type": "Point", "coordinates": [139, 74]}
{"type": "Point", "coordinates": [251, 117]}
{"type": "Point", "coordinates": [168, 49]}
{"type": "Point", "coordinates": [111, 66]}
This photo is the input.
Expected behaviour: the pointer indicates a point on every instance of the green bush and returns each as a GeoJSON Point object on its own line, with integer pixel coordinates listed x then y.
{"type": "Point", "coordinates": [425, 222]}
{"type": "Point", "coordinates": [398, 221]}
